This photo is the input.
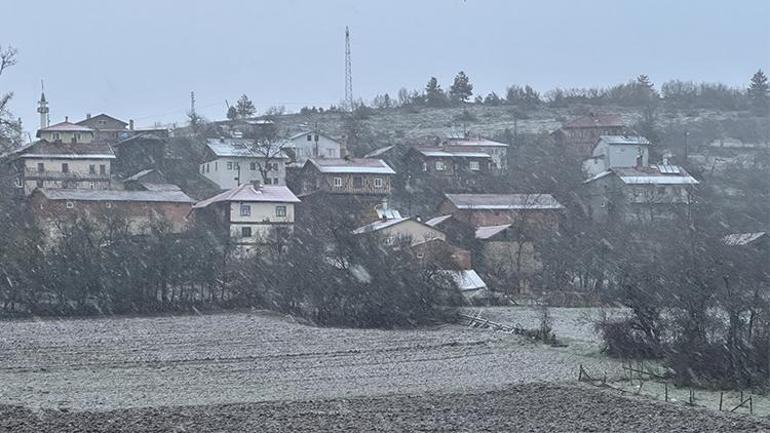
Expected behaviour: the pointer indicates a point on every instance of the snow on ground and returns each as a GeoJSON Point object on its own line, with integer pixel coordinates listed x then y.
{"type": "Point", "coordinates": [101, 364]}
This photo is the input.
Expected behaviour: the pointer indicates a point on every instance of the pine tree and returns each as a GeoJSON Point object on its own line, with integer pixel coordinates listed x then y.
{"type": "Point", "coordinates": [462, 89]}
{"type": "Point", "coordinates": [758, 92]}
{"type": "Point", "coordinates": [434, 94]}
{"type": "Point", "coordinates": [232, 113]}
{"type": "Point", "coordinates": [244, 107]}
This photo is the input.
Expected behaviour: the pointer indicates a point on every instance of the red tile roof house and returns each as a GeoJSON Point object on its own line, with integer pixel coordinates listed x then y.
{"type": "Point", "coordinates": [250, 214]}
{"type": "Point", "coordinates": [582, 133]}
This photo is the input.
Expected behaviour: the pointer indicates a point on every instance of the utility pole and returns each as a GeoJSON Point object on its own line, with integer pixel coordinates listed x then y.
{"type": "Point", "coordinates": [348, 72]}
{"type": "Point", "coordinates": [686, 136]}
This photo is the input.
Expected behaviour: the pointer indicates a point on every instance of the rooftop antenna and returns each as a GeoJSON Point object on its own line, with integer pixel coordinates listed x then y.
{"type": "Point", "coordinates": [348, 72]}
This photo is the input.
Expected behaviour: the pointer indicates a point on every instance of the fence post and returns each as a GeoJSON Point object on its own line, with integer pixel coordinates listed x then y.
{"type": "Point", "coordinates": [751, 405]}
{"type": "Point", "coordinates": [580, 373]}
{"type": "Point", "coordinates": [721, 394]}
{"type": "Point", "coordinates": [665, 385]}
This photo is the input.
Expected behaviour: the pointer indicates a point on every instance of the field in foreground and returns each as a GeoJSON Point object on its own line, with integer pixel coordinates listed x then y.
{"type": "Point", "coordinates": [519, 408]}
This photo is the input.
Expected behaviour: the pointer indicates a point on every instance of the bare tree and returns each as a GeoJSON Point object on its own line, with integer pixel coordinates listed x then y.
{"type": "Point", "coordinates": [10, 128]}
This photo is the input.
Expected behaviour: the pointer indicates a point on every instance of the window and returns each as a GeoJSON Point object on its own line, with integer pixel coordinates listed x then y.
{"type": "Point", "coordinates": [268, 181]}
{"type": "Point", "coordinates": [102, 169]}
{"type": "Point", "coordinates": [65, 168]}
{"type": "Point", "coordinates": [56, 136]}
{"type": "Point", "coordinates": [40, 167]}
{"type": "Point", "coordinates": [76, 138]}
{"type": "Point", "coordinates": [358, 181]}
{"type": "Point", "coordinates": [70, 205]}
{"type": "Point", "coordinates": [316, 137]}
{"type": "Point", "coordinates": [92, 169]}
{"type": "Point", "coordinates": [19, 184]}
{"type": "Point", "coordinates": [280, 211]}
{"type": "Point", "coordinates": [253, 166]}
{"type": "Point", "coordinates": [309, 137]}
{"type": "Point", "coordinates": [424, 166]}
{"type": "Point", "coordinates": [378, 182]}
{"type": "Point", "coordinates": [40, 183]}
{"type": "Point", "coordinates": [108, 205]}
{"type": "Point", "coordinates": [245, 232]}
{"type": "Point", "coordinates": [440, 166]}
{"type": "Point", "coordinates": [208, 167]}
{"type": "Point", "coordinates": [93, 185]}
{"type": "Point", "coordinates": [275, 181]}
{"type": "Point", "coordinates": [229, 165]}
{"type": "Point", "coordinates": [337, 182]}
{"type": "Point", "coordinates": [245, 210]}
{"type": "Point", "coordinates": [203, 169]}
{"type": "Point", "coordinates": [474, 165]}
{"type": "Point", "coordinates": [331, 153]}
{"type": "Point", "coordinates": [215, 166]}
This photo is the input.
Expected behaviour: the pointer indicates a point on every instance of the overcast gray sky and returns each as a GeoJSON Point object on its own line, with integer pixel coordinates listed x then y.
{"type": "Point", "coordinates": [139, 59]}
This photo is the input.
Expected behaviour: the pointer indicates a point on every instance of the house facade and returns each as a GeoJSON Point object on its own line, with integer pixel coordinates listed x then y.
{"type": "Point", "coordinates": [498, 152]}
{"type": "Point", "coordinates": [582, 133]}
{"type": "Point", "coordinates": [352, 176]}
{"type": "Point", "coordinates": [136, 210]}
{"type": "Point", "coordinates": [531, 213]}
{"type": "Point", "coordinates": [447, 161]}
{"type": "Point", "coordinates": [107, 128]}
{"type": "Point", "coordinates": [230, 162]}
{"type": "Point", "coordinates": [250, 213]}
{"type": "Point", "coordinates": [639, 194]}
{"type": "Point", "coordinates": [311, 144]}
{"type": "Point", "coordinates": [617, 151]}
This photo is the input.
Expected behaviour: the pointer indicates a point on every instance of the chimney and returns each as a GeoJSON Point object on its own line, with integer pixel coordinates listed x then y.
{"type": "Point", "coordinates": [256, 184]}
{"type": "Point", "coordinates": [131, 124]}
{"type": "Point", "coordinates": [88, 116]}
{"type": "Point", "coordinates": [66, 118]}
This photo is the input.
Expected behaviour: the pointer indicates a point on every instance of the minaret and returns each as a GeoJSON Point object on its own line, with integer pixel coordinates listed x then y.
{"type": "Point", "coordinates": [42, 107]}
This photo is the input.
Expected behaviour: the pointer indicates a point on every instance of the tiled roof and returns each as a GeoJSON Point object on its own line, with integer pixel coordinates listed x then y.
{"type": "Point", "coordinates": [504, 201]}
{"type": "Point", "coordinates": [351, 165]}
{"type": "Point", "coordinates": [46, 149]}
{"type": "Point", "coordinates": [248, 193]}
{"type": "Point", "coordinates": [596, 121]}
{"type": "Point", "coordinates": [116, 195]}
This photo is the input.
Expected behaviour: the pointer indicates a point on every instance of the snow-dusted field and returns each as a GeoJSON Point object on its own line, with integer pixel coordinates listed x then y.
{"type": "Point", "coordinates": [101, 364]}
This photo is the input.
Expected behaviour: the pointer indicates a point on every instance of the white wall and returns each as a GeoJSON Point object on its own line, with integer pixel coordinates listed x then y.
{"type": "Point", "coordinates": [79, 175]}
{"type": "Point", "coordinates": [66, 137]}
{"type": "Point", "coordinates": [263, 217]}
{"type": "Point", "coordinates": [218, 172]}
{"type": "Point", "coordinates": [304, 149]}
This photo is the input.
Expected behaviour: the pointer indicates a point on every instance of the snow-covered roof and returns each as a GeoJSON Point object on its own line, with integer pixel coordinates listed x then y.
{"type": "Point", "coordinates": [448, 152]}
{"type": "Point", "coordinates": [249, 193]}
{"type": "Point", "coordinates": [45, 149]}
{"type": "Point", "coordinates": [474, 141]}
{"type": "Point", "coordinates": [467, 280]}
{"type": "Point", "coordinates": [64, 127]}
{"type": "Point", "coordinates": [486, 232]}
{"type": "Point", "coordinates": [504, 201]}
{"type": "Point", "coordinates": [438, 220]}
{"type": "Point", "coordinates": [351, 165]}
{"type": "Point", "coordinates": [378, 225]}
{"type": "Point", "coordinates": [378, 152]}
{"type": "Point", "coordinates": [242, 148]}
{"type": "Point", "coordinates": [636, 140]}
{"type": "Point", "coordinates": [305, 133]}
{"type": "Point", "coordinates": [652, 175]}
{"type": "Point", "coordinates": [742, 239]}
{"type": "Point", "coordinates": [115, 195]}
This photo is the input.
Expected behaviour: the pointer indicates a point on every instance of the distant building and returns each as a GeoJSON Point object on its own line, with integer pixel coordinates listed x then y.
{"type": "Point", "coordinates": [138, 210]}
{"type": "Point", "coordinates": [646, 194]}
{"type": "Point", "coordinates": [359, 176]}
{"type": "Point", "coordinates": [498, 152]}
{"type": "Point", "coordinates": [531, 212]}
{"type": "Point", "coordinates": [66, 157]}
{"type": "Point", "coordinates": [107, 128]}
{"type": "Point", "coordinates": [140, 151]}
{"type": "Point", "coordinates": [250, 213]}
{"type": "Point", "coordinates": [617, 151]}
{"type": "Point", "coordinates": [230, 162]}
{"type": "Point", "coordinates": [509, 257]}
{"type": "Point", "coordinates": [311, 144]}
{"type": "Point", "coordinates": [149, 180]}
{"type": "Point", "coordinates": [448, 161]}
{"type": "Point", "coordinates": [581, 134]}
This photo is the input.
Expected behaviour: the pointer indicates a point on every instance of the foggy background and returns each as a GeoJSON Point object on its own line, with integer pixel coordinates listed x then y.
{"type": "Point", "coordinates": [140, 59]}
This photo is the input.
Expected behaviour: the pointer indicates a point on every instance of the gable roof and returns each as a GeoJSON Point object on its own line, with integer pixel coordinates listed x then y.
{"type": "Point", "coordinates": [438, 220]}
{"type": "Point", "coordinates": [504, 201]}
{"type": "Point", "coordinates": [661, 174]}
{"type": "Point", "coordinates": [304, 133]}
{"type": "Point", "coordinates": [351, 166]}
{"type": "Point", "coordinates": [47, 149]}
{"type": "Point", "coordinates": [101, 116]}
{"type": "Point", "coordinates": [595, 121]}
{"type": "Point", "coordinates": [115, 195]}
{"type": "Point", "coordinates": [378, 152]}
{"type": "Point", "coordinates": [64, 127]}
{"type": "Point", "coordinates": [467, 280]}
{"type": "Point", "coordinates": [379, 225]}
{"type": "Point", "coordinates": [473, 141]}
{"type": "Point", "coordinates": [487, 232]}
{"type": "Point", "coordinates": [248, 193]}
{"type": "Point", "coordinates": [242, 148]}
{"type": "Point", "coordinates": [448, 152]}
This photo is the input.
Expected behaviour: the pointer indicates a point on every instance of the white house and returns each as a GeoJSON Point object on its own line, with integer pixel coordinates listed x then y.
{"type": "Point", "coordinates": [498, 152]}
{"type": "Point", "coordinates": [393, 230]}
{"type": "Point", "coordinates": [310, 144]}
{"type": "Point", "coordinates": [250, 212]}
{"type": "Point", "coordinates": [617, 151]}
{"type": "Point", "coordinates": [230, 162]}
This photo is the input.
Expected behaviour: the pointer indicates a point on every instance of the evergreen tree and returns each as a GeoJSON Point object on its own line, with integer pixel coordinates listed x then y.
{"type": "Point", "coordinates": [462, 89]}
{"type": "Point", "coordinates": [244, 107]}
{"type": "Point", "coordinates": [758, 92]}
{"type": "Point", "coordinates": [434, 94]}
{"type": "Point", "coordinates": [232, 113]}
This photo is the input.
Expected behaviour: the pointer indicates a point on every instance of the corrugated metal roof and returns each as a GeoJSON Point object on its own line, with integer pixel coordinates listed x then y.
{"type": "Point", "coordinates": [352, 165]}
{"type": "Point", "coordinates": [46, 149]}
{"type": "Point", "coordinates": [473, 141]}
{"type": "Point", "coordinates": [438, 220]}
{"type": "Point", "coordinates": [66, 127]}
{"type": "Point", "coordinates": [504, 201]}
{"type": "Point", "coordinates": [486, 232]}
{"type": "Point", "coordinates": [242, 148]}
{"type": "Point", "coordinates": [248, 193]}
{"type": "Point", "coordinates": [378, 152]}
{"type": "Point", "coordinates": [378, 225]}
{"type": "Point", "coordinates": [448, 152]}
{"type": "Point", "coordinates": [116, 195]}
{"type": "Point", "coordinates": [742, 239]}
{"type": "Point", "coordinates": [625, 140]}
{"type": "Point", "coordinates": [467, 280]}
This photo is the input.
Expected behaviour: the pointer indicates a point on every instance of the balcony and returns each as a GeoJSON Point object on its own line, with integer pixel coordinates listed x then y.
{"type": "Point", "coordinates": [33, 174]}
